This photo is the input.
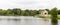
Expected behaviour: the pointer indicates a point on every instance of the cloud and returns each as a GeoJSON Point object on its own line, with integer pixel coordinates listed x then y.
{"type": "Point", "coordinates": [29, 4]}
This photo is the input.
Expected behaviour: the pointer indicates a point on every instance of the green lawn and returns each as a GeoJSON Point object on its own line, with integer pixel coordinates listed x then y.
{"type": "Point", "coordinates": [58, 16]}
{"type": "Point", "coordinates": [37, 16]}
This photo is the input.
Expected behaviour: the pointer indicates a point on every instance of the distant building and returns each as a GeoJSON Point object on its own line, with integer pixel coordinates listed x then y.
{"type": "Point", "coordinates": [43, 13]}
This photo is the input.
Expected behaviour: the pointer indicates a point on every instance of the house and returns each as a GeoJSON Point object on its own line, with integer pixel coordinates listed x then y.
{"type": "Point", "coordinates": [43, 13]}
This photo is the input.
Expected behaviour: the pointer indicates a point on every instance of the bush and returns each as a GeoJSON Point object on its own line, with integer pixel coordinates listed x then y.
{"type": "Point", "coordinates": [54, 15]}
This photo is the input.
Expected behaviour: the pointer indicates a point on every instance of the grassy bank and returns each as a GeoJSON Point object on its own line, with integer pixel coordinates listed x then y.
{"type": "Point", "coordinates": [37, 16]}
{"type": "Point", "coordinates": [58, 16]}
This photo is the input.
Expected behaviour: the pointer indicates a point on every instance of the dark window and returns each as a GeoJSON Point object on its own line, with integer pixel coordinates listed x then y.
{"type": "Point", "coordinates": [45, 13]}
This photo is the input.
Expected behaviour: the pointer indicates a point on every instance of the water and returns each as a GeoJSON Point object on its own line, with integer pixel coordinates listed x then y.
{"type": "Point", "coordinates": [6, 20]}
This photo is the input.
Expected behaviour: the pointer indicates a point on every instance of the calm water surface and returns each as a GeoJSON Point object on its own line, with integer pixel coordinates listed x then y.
{"type": "Point", "coordinates": [5, 20]}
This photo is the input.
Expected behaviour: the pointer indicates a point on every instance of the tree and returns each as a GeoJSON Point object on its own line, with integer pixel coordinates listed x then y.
{"type": "Point", "coordinates": [4, 12]}
{"type": "Point", "coordinates": [33, 12]}
{"type": "Point", "coordinates": [48, 11]}
{"type": "Point", "coordinates": [54, 15]}
{"type": "Point", "coordinates": [26, 12]}
{"type": "Point", "coordinates": [16, 11]}
{"type": "Point", "coordinates": [58, 11]}
{"type": "Point", "coordinates": [9, 12]}
{"type": "Point", "coordinates": [22, 12]}
{"type": "Point", "coordinates": [1, 12]}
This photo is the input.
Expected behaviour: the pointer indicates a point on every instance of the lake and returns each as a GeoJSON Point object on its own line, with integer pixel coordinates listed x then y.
{"type": "Point", "coordinates": [24, 20]}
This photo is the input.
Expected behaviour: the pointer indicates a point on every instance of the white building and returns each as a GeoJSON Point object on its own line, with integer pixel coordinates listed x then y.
{"type": "Point", "coordinates": [43, 13]}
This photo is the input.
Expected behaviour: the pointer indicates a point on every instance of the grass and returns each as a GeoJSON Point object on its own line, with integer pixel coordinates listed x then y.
{"type": "Point", "coordinates": [58, 16]}
{"type": "Point", "coordinates": [37, 16]}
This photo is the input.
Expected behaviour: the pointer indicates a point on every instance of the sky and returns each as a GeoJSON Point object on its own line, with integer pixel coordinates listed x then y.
{"type": "Point", "coordinates": [29, 4]}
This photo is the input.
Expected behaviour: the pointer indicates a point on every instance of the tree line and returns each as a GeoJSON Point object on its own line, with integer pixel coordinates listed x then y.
{"type": "Point", "coordinates": [19, 12]}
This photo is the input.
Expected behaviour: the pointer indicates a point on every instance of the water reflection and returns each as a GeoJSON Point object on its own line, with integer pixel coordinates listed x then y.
{"type": "Point", "coordinates": [14, 19]}
{"type": "Point", "coordinates": [26, 21]}
{"type": "Point", "coordinates": [23, 22]}
{"type": "Point", "coordinates": [54, 23]}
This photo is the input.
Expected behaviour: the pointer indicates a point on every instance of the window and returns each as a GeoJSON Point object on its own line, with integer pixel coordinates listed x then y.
{"type": "Point", "coordinates": [45, 13]}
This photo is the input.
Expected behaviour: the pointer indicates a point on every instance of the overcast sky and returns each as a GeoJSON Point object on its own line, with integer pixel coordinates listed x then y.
{"type": "Point", "coordinates": [29, 4]}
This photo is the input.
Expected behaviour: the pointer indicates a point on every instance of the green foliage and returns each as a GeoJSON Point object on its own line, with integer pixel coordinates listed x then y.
{"type": "Point", "coordinates": [48, 11]}
{"type": "Point", "coordinates": [17, 12]}
{"type": "Point", "coordinates": [26, 13]}
{"type": "Point", "coordinates": [58, 11]}
{"type": "Point", "coordinates": [54, 15]}
{"type": "Point", "coordinates": [22, 13]}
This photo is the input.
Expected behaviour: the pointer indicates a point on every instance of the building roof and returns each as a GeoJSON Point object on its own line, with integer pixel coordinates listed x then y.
{"type": "Point", "coordinates": [43, 11]}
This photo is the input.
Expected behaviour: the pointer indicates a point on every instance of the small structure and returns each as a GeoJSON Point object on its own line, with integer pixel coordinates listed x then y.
{"type": "Point", "coordinates": [43, 13]}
